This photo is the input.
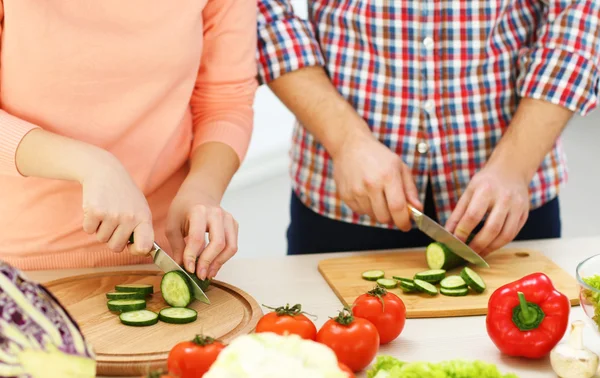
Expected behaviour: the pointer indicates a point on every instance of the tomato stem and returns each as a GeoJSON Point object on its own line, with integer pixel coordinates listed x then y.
{"type": "Point", "coordinates": [379, 292]}
{"type": "Point", "coordinates": [156, 374]}
{"type": "Point", "coordinates": [289, 311]}
{"type": "Point", "coordinates": [527, 315]}
{"type": "Point", "coordinates": [202, 340]}
{"type": "Point", "coordinates": [344, 317]}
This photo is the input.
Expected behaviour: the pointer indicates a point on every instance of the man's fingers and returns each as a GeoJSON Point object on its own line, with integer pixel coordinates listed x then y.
{"type": "Point", "coordinates": [396, 201]}
{"type": "Point", "coordinates": [379, 206]}
{"type": "Point", "coordinates": [216, 243]}
{"type": "Point", "coordinates": [231, 246]}
{"type": "Point", "coordinates": [410, 188]}
{"type": "Point", "coordinates": [196, 238]}
{"type": "Point", "coordinates": [493, 227]}
{"type": "Point", "coordinates": [459, 210]}
{"type": "Point", "coordinates": [509, 231]}
{"type": "Point", "coordinates": [476, 210]}
{"type": "Point", "coordinates": [365, 206]}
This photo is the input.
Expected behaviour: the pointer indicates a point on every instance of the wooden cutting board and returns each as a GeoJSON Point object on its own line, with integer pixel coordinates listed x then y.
{"type": "Point", "coordinates": [344, 276]}
{"type": "Point", "coordinates": [132, 351]}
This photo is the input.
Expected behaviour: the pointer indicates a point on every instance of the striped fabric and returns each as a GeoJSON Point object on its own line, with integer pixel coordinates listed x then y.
{"type": "Point", "coordinates": [436, 80]}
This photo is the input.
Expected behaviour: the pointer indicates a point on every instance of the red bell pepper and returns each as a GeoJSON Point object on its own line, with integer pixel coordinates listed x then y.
{"type": "Point", "coordinates": [528, 317]}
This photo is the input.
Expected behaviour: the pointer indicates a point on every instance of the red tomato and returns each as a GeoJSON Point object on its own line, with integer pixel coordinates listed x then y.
{"type": "Point", "coordinates": [285, 320]}
{"type": "Point", "coordinates": [385, 310]}
{"type": "Point", "coordinates": [192, 359]}
{"type": "Point", "coordinates": [355, 341]}
{"type": "Point", "coordinates": [346, 370]}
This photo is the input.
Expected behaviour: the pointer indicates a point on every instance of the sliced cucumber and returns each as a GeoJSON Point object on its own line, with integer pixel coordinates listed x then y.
{"type": "Point", "coordinates": [177, 315]}
{"type": "Point", "coordinates": [387, 283]}
{"type": "Point", "coordinates": [432, 276]}
{"type": "Point", "coordinates": [453, 282]}
{"type": "Point", "coordinates": [124, 295]}
{"type": "Point", "coordinates": [176, 289]}
{"type": "Point", "coordinates": [141, 318]}
{"type": "Point", "coordinates": [473, 280]}
{"type": "Point", "coordinates": [135, 288]}
{"type": "Point", "coordinates": [425, 287]}
{"type": "Point", "coordinates": [402, 279]}
{"type": "Point", "coordinates": [454, 292]}
{"type": "Point", "coordinates": [408, 286]}
{"type": "Point", "coordinates": [441, 257]}
{"type": "Point", "coordinates": [373, 275]}
{"type": "Point", "coordinates": [126, 305]}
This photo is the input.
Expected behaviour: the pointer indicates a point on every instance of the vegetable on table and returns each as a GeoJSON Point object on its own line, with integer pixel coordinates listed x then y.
{"type": "Point", "coordinates": [176, 289]}
{"type": "Point", "coordinates": [139, 318]}
{"type": "Point", "coordinates": [271, 355]}
{"type": "Point", "coordinates": [571, 359]}
{"type": "Point", "coordinates": [385, 310]}
{"type": "Point", "coordinates": [346, 369]}
{"type": "Point", "coordinates": [354, 340]}
{"type": "Point", "coordinates": [287, 320]}
{"type": "Point", "coordinates": [527, 317]}
{"type": "Point", "coordinates": [439, 256]}
{"type": "Point", "coordinates": [592, 297]}
{"type": "Point", "coordinates": [192, 359]}
{"type": "Point", "coordinates": [390, 367]}
{"type": "Point", "coordinates": [38, 337]}
{"type": "Point", "coordinates": [177, 315]}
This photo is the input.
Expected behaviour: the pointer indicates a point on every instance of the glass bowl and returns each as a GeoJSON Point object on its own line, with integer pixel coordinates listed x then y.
{"type": "Point", "coordinates": [590, 295]}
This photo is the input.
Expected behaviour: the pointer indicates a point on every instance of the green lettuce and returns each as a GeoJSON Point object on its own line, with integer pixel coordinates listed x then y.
{"type": "Point", "coordinates": [594, 298]}
{"type": "Point", "coordinates": [390, 367]}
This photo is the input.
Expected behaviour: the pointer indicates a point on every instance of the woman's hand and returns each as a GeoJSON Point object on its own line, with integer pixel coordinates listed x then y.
{"type": "Point", "coordinates": [193, 213]}
{"type": "Point", "coordinates": [114, 208]}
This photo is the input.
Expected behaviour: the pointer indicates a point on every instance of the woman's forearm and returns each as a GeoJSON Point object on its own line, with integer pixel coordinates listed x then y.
{"type": "Point", "coordinates": [212, 167]}
{"type": "Point", "coordinates": [48, 155]}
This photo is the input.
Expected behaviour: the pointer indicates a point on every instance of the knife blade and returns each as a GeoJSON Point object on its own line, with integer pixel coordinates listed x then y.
{"type": "Point", "coordinates": [438, 233]}
{"type": "Point", "coordinates": [167, 264]}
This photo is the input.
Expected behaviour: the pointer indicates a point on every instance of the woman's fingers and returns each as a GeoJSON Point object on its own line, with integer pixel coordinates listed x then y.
{"type": "Point", "coordinates": [196, 237]}
{"type": "Point", "coordinates": [230, 228]}
{"type": "Point", "coordinates": [216, 243]}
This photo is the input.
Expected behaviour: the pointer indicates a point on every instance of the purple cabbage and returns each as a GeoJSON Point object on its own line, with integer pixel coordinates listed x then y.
{"type": "Point", "coordinates": [38, 338]}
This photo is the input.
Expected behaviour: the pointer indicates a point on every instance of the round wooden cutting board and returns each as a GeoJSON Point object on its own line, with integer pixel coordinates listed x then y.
{"type": "Point", "coordinates": [133, 351]}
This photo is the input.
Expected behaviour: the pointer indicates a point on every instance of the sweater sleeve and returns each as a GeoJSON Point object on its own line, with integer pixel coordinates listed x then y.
{"type": "Point", "coordinates": [223, 97]}
{"type": "Point", "coordinates": [12, 131]}
{"type": "Point", "coordinates": [563, 64]}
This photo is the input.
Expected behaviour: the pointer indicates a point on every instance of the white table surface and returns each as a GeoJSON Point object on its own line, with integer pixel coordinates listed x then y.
{"type": "Point", "coordinates": [295, 279]}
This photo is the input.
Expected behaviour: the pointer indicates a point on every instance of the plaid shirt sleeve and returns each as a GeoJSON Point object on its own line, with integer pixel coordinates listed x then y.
{"type": "Point", "coordinates": [285, 42]}
{"type": "Point", "coordinates": [563, 65]}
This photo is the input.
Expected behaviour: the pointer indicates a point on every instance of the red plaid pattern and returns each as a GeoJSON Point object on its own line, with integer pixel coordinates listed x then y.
{"type": "Point", "coordinates": [444, 74]}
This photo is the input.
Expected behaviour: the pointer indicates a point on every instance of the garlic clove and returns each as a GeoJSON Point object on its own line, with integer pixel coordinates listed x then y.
{"type": "Point", "coordinates": [572, 359]}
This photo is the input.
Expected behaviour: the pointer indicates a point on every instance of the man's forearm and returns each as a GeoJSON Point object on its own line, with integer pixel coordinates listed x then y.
{"type": "Point", "coordinates": [533, 131]}
{"type": "Point", "coordinates": [317, 104]}
{"type": "Point", "coordinates": [212, 167]}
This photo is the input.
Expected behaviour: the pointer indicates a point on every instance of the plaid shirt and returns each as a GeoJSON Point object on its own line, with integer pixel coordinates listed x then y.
{"type": "Point", "coordinates": [438, 82]}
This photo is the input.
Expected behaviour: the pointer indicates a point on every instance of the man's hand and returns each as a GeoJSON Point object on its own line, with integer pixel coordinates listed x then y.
{"type": "Point", "coordinates": [373, 180]}
{"type": "Point", "coordinates": [500, 189]}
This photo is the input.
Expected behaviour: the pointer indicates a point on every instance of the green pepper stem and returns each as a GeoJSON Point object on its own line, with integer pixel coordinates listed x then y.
{"type": "Point", "coordinates": [528, 315]}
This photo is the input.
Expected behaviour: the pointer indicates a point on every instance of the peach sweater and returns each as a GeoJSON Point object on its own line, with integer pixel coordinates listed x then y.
{"type": "Point", "coordinates": [147, 80]}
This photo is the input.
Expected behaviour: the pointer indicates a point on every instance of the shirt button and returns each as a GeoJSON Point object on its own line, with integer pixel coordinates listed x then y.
{"type": "Point", "coordinates": [428, 42]}
{"type": "Point", "coordinates": [429, 105]}
{"type": "Point", "coordinates": [422, 147]}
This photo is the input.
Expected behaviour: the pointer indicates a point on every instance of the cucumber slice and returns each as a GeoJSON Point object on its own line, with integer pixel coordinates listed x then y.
{"type": "Point", "coordinates": [408, 286]}
{"type": "Point", "coordinates": [124, 295]}
{"type": "Point", "coordinates": [373, 275]}
{"type": "Point", "coordinates": [473, 280]}
{"type": "Point", "coordinates": [432, 276]}
{"type": "Point", "coordinates": [141, 318]}
{"type": "Point", "coordinates": [126, 305]}
{"type": "Point", "coordinates": [176, 289]}
{"type": "Point", "coordinates": [425, 287]}
{"type": "Point", "coordinates": [387, 283]}
{"type": "Point", "coordinates": [177, 315]}
{"type": "Point", "coordinates": [453, 282]}
{"type": "Point", "coordinates": [454, 292]}
{"type": "Point", "coordinates": [402, 279]}
{"type": "Point", "coordinates": [135, 288]}
{"type": "Point", "coordinates": [441, 257]}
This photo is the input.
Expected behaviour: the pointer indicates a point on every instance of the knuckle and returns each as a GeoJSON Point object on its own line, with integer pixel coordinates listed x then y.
{"type": "Point", "coordinates": [112, 217]}
{"type": "Point", "coordinates": [127, 217]}
{"type": "Point", "coordinates": [397, 205]}
{"type": "Point", "coordinates": [219, 244]}
{"type": "Point", "coordinates": [199, 208]}
{"type": "Point", "coordinates": [471, 216]}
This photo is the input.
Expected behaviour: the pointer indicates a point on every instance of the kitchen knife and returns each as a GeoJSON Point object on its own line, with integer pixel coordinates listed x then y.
{"type": "Point", "coordinates": [438, 233]}
{"type": "Point", "coordinates": [167, 264]}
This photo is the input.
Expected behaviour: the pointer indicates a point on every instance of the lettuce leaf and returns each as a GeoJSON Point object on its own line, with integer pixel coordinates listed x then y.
{"type": "Point", "coordinates": [594, 298]}
{"type": "Point", "coordinates": [390, 367]}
